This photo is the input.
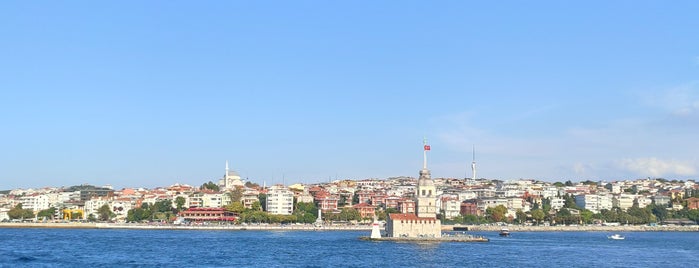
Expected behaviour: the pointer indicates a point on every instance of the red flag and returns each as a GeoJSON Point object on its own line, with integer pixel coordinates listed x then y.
{"type": "Point", "coordinates": [427, 147]}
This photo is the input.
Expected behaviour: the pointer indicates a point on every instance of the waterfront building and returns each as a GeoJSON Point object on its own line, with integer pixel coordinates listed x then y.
{"type": "Point", "coordinates": [207, 214]}
{"type": "Point", "coordinates": [280, 200]}
{"type": "Point", "coordinates": [35, 202]}
{"type": "Point", "coordinates": [3, 214]}
{"type": "Point", "coordinates": [365, 210]}
{"type": "Point", "coordinates": [424, 223]}
{"type": "Point", "coordinates": [93, 205]}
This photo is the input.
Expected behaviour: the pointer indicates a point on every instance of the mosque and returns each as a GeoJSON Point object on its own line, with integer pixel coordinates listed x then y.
{"type": "Point", "coordinates": [230, 180]}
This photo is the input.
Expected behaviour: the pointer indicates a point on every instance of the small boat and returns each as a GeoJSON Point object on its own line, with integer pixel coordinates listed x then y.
{"type": "Point", "coordinates": [504, 232]}
{"type": "Point", "coordinates": [616, 237]}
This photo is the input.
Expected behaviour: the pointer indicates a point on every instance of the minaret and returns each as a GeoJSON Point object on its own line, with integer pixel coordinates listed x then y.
{"type": "Point", "coordinates": [426, 204]}
{"type": "Point", "coordinates": [225, 177]}
{"type": "Point", "coordinates": [473, 164]}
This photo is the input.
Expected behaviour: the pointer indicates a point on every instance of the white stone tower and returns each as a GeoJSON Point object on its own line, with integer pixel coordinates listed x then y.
{"type": "Point", "coordinates": [473, 164]}
{"type": "Point", "coordinates": [426, 191]}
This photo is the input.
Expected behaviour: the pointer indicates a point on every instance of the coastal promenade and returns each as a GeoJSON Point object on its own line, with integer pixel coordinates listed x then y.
{"type": "Point", "coordinates": [581, 228]}
{"type": "Point", "coordinates": [294, 227]}
{"type": "Point", "coordinates": [271, 227]}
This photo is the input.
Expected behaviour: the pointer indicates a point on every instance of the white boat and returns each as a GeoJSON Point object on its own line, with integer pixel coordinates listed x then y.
{"type": "Point", "coordinates": [616, 237]}
{"type": "Point", "coordinates": [504, 232]}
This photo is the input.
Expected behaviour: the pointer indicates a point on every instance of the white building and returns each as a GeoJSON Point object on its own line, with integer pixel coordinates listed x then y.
{"type": "Point", "coordinates": [36, 202]}
{"type": "Point", "coordinates": [624, 201]}
{"type": "Point", "coordinates": [557, 203]}
{"type": "Point", "coordinates": [213, 200]}
{"type": "Point", "coordinates": [3, 214]}
{"type": "Point", "coordinates": [93, 205]}
{"type": "Point", "coordinates": [280, 200]}
{"type": "Point", "coordinates": [450, 206]}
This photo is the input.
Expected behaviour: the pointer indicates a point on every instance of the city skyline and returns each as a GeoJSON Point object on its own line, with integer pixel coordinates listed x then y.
{"type": "Point", "coordinates": [150, 94]}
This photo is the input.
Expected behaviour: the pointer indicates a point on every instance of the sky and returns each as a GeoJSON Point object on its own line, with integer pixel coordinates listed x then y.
{"type": "Point", "coordinates": [152, 93]}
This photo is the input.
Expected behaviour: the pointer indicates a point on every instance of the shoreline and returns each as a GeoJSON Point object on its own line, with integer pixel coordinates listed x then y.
{"type": "Point", "coordinates": [582, 228]}
{"type": "Point", "coordinates": [469, 228]}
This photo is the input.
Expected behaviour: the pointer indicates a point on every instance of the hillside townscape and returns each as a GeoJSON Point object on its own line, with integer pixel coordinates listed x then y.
{"type": "Point", "coordinates": [466, 201]}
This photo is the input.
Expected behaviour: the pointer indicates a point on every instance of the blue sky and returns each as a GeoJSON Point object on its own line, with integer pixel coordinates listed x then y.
{"type": "Point", "coordinates": [151, 93]}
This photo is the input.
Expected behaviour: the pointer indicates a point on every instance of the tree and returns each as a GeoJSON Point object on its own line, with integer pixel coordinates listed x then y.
{"type": "Point", "coordinates": [558, 184]}
{"type": "Point", "coordinates": [19, 213]}
{"type": "Point", "coordinates": [497, 214]}
{"type": "Point", "coordinates": [342, 201]}
{"type": "Point", "coordinates": [383, 215]}
{"type": "Point", "coordinates": [586, 216]}
{"type": "Point", "coordinates": [211, 186]}
{"type": "Point", "coordinates": [179, 202]}
{"type": "Point", "coordinates": [235, 207]}
{"type": "Point", "coordinates": [47, 213]}
{"type": "Point", "coordinates": [139, 214]}
{"type": "Point", "coordinates": [104, 213]}
{"type": "Point", "coordinates": [693, 214]}
{"type": "Point", "coordinates": [236, 195]}
{"type": "Point", "coordinates": [256, 206]}
{"type": "Point", "coordinates": [306, 212]}
{"type": "Point", "coordinates": [164, 205]}
{"type": "Point", "coordinates": [263, 201]}
{"type": "Point", "coordinates": [538, 215]}
{"type": "Point", "coordinates": [521, 216]}
{"type": "Point", "coordinates": [251, 185]}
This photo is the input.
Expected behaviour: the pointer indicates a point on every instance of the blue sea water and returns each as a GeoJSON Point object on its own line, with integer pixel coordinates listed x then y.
{"type": "Point", "coordinates": [201, 248]}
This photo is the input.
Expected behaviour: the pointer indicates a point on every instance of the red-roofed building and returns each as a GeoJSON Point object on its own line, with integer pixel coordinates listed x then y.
{"type": "Point", "coordinates": [378, 199]}
{"type": "Point", "coordinates": [392, 201]}
{"type": "Point", "coordinates": [328, 203]}
{"type": "Point", "coordinates": [406, 206]}
{"type": "Point", "coordinates": [365, 210]}
{"type": "Point", "coordinates": [364, 196]}
{"type": "Point", "coordinates": [693, 203]}
{"type": "Point", "coordinates": [207, 214]}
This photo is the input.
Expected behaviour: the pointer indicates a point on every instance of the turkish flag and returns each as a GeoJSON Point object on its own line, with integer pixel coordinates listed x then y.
{"type": "Point", "coordinates": [427, 147]}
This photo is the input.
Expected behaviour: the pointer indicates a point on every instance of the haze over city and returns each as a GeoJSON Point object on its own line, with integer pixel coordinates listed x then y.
{"type": "Point", "coordinates": [153, 93]}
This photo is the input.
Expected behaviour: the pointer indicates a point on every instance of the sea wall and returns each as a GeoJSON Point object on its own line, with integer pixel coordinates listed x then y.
{"type": "Point", "coordinates": [293, 227]}
{"type": "Point", "coordinates": [582, 228]}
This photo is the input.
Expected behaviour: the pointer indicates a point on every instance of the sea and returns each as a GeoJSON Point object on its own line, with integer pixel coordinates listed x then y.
{"type": "Point", "coordinates": [29, 247]}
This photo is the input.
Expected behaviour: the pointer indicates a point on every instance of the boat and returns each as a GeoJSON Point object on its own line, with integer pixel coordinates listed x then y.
{"type": "Point", "coordinates": [616, 237]}
{"type": "Point", "coordinates": [504, 232]}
